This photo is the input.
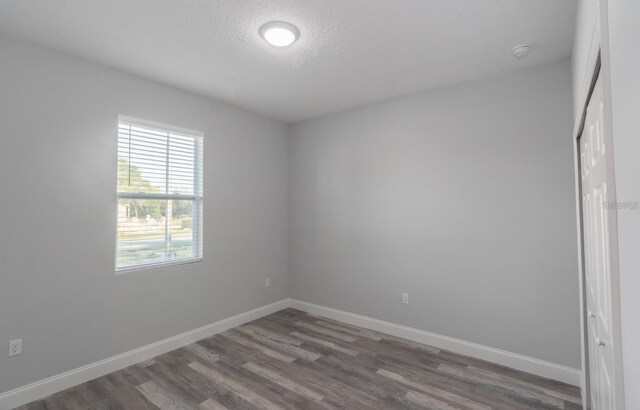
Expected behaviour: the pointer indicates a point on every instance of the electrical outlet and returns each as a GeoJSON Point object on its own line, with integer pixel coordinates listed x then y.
{"type": "Point", "coordinates": [267, 283]}
{"type": "Point", "coordinates": [405, 298]}
{"type": "Point", "coordinates": [15, 347]}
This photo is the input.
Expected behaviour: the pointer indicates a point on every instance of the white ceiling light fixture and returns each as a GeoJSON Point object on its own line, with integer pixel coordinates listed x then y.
{"type": "Point", "coordinates": [279, 33]}
{"type": "Point", "coordinates": [521, 52]}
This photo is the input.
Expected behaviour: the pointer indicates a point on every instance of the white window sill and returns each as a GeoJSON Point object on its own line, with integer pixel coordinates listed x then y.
{"type": "Point", "coordinates": [119, 271]}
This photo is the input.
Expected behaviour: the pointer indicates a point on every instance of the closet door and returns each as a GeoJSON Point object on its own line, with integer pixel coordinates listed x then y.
{"type": "Point", "coordinates": [595, 205]}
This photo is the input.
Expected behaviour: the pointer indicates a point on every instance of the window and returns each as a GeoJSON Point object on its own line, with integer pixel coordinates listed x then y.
{"type": "Point", "coordinates": [159, 195]}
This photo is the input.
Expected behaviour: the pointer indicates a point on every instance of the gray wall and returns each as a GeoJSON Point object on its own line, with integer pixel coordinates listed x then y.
{"type": "Point", "coordinates": [624, 35]}
{"type": "Point", "coordinates": [462, 197]}
{"type": "Point", "coordinates": [58, 289]}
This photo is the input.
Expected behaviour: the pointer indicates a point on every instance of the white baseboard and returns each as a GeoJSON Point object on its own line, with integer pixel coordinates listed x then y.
{"type": "Point", "coordinates": [501, 357]}
{"type": "Point", "coordinates": [54, 384]}
{"type": "Point", "coordinates": [34, 391]}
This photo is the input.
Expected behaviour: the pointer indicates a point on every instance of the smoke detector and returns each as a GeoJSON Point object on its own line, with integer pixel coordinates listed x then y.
{"type": "Point", "coordinates": [521, 52]}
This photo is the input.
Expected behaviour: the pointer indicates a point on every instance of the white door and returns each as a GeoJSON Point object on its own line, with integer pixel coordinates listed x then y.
{"type": "Point", "coordinates": [596, 210]}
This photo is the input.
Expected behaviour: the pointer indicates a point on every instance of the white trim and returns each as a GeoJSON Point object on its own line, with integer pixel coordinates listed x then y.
{"type": "Point", "coordinates": [583, 335]}
{"type": "Point", "coordinates": [160, 126]}
{"type": "Point", "coordinates": [186, 261]}
{"type": "Point", "coordinates": [502, 357]}
{"type": "Point", "coordinates": [197, 196]}
{"type": "Point", "coordinates": [171, 197]}
{"type": "Point", "coordinates": [583, 93]}
{"type": "Point", "coordinates": [587, 78]}
{"type": "Point", "coordinates": [34, 391]}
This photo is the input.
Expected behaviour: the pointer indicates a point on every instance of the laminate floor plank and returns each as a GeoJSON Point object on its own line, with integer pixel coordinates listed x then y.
{"type": "Point", "coordinates": [435, 392]}
{"type": "Point", "coordinates": [483, 393]}
{"type": "Point", "coordinates": [516, 374]}
{"type": "Point", "coordinates": [283, 381]}
{"type": "Point", "coordinates": [211, 404]}
{"type": "Point", "coordinates": [238, 337]}
{"type": "Point", "coordinates": [247, 394]}
{"type": "Point", "coordinates": [295, 360]}
{"type": "Point", "coordinates": [258, 390]}
{"type": "Point", "coordinates": [215, 391]}
{"type": "Point", "coordinates": [368, 334]}
{"type": "Point", "coordinates": [163, 399]}
{"type": "Point", "coordinates": [325, 343]}
{"type": "Point", "coordinates": [288, 349]}
{"type": "Point", "coordinates": [356, 346]}
{"type": "Point", "coordinates": [283, 338]}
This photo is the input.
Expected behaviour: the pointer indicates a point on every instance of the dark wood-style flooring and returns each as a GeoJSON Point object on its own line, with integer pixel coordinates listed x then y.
{"type": "Point", "coordinates": [295, 360]}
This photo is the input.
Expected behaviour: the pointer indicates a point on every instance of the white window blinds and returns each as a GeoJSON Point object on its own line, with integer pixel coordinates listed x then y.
{"type": "Point", "coordinates": [159, 195]}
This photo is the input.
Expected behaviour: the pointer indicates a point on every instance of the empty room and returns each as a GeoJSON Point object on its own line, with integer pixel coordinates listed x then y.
{"type": "Point", "coordinates": [319, 204]}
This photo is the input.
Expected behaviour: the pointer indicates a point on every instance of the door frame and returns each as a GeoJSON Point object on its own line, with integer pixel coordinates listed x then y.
{"type": "Point", "coordinates": [595, 68]}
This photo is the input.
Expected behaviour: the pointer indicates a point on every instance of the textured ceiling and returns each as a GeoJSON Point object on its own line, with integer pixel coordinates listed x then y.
{"type": "Point", "coordinates": [350, 52]}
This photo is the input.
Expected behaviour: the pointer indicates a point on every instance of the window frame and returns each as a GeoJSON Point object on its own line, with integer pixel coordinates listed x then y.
{"type": "Point", "coordinates": [197, 197]}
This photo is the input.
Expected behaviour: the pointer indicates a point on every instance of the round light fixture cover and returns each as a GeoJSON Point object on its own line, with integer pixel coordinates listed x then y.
{"type": "Point", "coordinates": [521, 52]}
{"type": "Point", "coordinates": [279, 33]}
